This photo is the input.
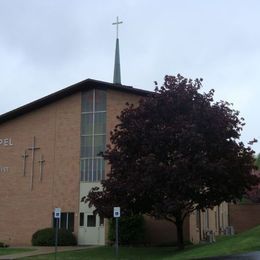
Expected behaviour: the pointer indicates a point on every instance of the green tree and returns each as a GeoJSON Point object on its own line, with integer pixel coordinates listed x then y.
{"type": "Point", "coordinates": [257, 161]}
{"type": "Point", "coordinates": [175, 152]}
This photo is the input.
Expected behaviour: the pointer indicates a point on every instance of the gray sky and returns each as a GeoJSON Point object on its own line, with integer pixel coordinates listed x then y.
{"type": "Point", "coordinates": [46, 45]}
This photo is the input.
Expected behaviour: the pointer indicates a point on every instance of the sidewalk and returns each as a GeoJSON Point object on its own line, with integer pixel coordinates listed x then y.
{"type": "Point", "coordinates": [42, 250]}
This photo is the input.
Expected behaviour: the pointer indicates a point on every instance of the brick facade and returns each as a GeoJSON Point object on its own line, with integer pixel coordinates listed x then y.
{"type": "Point", "coordinates": [56, 129]}
{"type": "Point", "coordinates": [244, 216]}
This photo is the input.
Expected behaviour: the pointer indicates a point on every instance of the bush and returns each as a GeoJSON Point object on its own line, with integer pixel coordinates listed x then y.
{"type": "Point", "coordinates": [46, 237]}
{"type": "Point", "coordinates": [3, 244]}
{"type": "Point", "coordinates": [131, 230]}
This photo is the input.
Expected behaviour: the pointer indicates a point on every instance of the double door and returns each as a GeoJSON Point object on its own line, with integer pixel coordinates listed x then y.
{"type": "Point", "coordinates": [91, 229]}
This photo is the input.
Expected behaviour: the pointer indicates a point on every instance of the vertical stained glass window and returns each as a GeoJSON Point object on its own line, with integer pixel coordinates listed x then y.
{"type": "Point", "coordinates": [93, 135]}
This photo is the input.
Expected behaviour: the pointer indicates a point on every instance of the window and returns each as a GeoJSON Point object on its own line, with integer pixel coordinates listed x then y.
{"type": "Point", "coordinates": [91, 221]}
{"type": "Point", "coordinates": [65, 222]}
{"type": "Point", "coordinates": [87, 124]}
{"type": "Point", "coordinates": [197, 218]}
{"type": "Point", "coordinates": [81, 219]}
{"type": "Point", "coordinates": [100, 100]}
{"type": "Point", "coordinates": [100, 123]}
{"type": "Point", "coordinates": [87, 101]}
{"type": "Point", "coordinates": [86, 146]}
{"type": "Point", "coordinates": [216, 220]}
{"type": "Point", "coordinates": [206, 215]}
{"type": "Point", "coordinates": [101, 221]}
{"type": "Point", "coordinates": [93, 135]}
{"type": "Point", "coordinates": [99, 144]}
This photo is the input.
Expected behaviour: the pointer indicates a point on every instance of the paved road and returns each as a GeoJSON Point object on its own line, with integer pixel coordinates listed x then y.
{"type": "Point", "coordinates": [245, 256]}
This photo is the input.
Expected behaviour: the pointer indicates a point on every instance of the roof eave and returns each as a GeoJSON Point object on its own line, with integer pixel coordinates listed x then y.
{"type": "Point", "coordinates": [80, 86]}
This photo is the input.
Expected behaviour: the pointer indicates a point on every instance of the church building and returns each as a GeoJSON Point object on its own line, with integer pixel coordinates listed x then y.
{"type": "Point", "coordinates": [49, 158]}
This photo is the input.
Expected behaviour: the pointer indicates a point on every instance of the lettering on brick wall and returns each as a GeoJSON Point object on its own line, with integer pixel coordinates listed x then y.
{"type": "Point", "coordinates": [7, 141]}
{"type": "Point", "coordinates": [4, 169]}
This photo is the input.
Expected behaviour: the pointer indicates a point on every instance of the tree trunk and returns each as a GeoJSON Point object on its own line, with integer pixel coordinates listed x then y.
{"type": "Point", "coordinates": [179, 226]}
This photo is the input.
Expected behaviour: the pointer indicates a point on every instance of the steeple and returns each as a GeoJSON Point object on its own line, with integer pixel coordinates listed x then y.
{"type": "Point", "coordinates": [117, 72]}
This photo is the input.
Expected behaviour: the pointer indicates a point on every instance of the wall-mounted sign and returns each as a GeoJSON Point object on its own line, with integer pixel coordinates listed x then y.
{"type": "Point", "coordinates": [6, 141]}
{"type": "Point", "coordinates": [4, 169]}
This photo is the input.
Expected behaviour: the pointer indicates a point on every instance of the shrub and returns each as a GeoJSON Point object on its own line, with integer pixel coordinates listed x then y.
{"type": "Point", "coordinates": [131, 230]}
{"type": "Point", "coordinates": [3, 244]}
{"type": "Point", "coordinates": [46, 237]}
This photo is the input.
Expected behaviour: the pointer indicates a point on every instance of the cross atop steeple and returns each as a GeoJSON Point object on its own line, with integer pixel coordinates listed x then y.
{"type": "Point", "coordinates": [117, 23]}
{"type": "Point", "coordinates": [117, 71]}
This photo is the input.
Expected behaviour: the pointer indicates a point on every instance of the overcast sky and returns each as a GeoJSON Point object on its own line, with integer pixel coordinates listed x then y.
{"type": "Point", "coordinates": [46, 45]}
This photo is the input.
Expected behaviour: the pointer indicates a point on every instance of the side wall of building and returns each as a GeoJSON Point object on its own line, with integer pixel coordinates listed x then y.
{"type": "Point", "coordinates": [26, 200]}
{"type": "Point", "coordinates": [215, 220]}
{"type": "Point", "coordinates": [244, 216]}
{"type": "Point", "coordinates": [163, 232]}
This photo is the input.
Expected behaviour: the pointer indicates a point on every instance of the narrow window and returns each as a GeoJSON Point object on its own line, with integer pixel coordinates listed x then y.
{"type": "Point", "coordinates": [99, 144]}
{"type": "Point", "coordinates": [63, 220]}
{"type": "Point", "coordinates": [222, 218]}
{"type": "Point", "coordinates": [207, 218]}
{"type": "Point", "coordinates": [81, 219]}
{"type": "Point", "coordinates": [197, 218]}
{"type": "Point", "coordinates": [70, 223]}
{"type": "Point", "coordinates": [101, 221]}
{"type": "Point", "coordinates": [87, 123]}
{"type": "Point", "coordinates": [100, 123]}
{"type": "Point", "coordinates": [86, 146]}
{"type": "Point", "coordinates": [87, 101]}
{"type": "Point", "coordinates": [100, 100]}
{"type": "Point", "coordinates": [216, 221]}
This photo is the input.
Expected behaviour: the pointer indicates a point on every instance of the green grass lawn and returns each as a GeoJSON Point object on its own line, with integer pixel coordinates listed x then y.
{"type": "Point", "coordinates": [108, 253]}
{"type": "Point", "coordinates": [12, 250]}
{"type": "Point", "coordinates": [245, 242]}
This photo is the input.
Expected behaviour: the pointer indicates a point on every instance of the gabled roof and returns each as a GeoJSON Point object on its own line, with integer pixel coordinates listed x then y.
{"type": "Point", "coordinates": [80, 86]}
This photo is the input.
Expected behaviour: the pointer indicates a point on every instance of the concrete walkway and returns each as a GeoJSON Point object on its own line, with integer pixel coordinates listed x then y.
{"type": "Point", "coordinates": [42, 250]}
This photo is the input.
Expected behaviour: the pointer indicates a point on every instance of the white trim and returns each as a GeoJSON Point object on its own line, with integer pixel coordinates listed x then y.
{"type": "Point", "coordinates": [91, 112]}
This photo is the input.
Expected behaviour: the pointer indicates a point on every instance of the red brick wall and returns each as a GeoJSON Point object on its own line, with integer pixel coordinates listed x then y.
{"type": "Point", "coordinates": [57, 131]}
{"type": "Point", "coordinates": [163, 232]}
{"type": "Point", "coordinates": [244, 216]}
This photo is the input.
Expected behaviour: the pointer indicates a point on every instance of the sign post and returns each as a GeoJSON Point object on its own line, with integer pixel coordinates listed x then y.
{"type": "Point", "coordinates": [116, 216]}
{"type": "Point", "coordinates": [57, 216]}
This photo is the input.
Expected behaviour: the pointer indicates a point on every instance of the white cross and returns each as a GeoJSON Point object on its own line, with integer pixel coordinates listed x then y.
{"type": "Point", "coordinates": [117, 23]}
